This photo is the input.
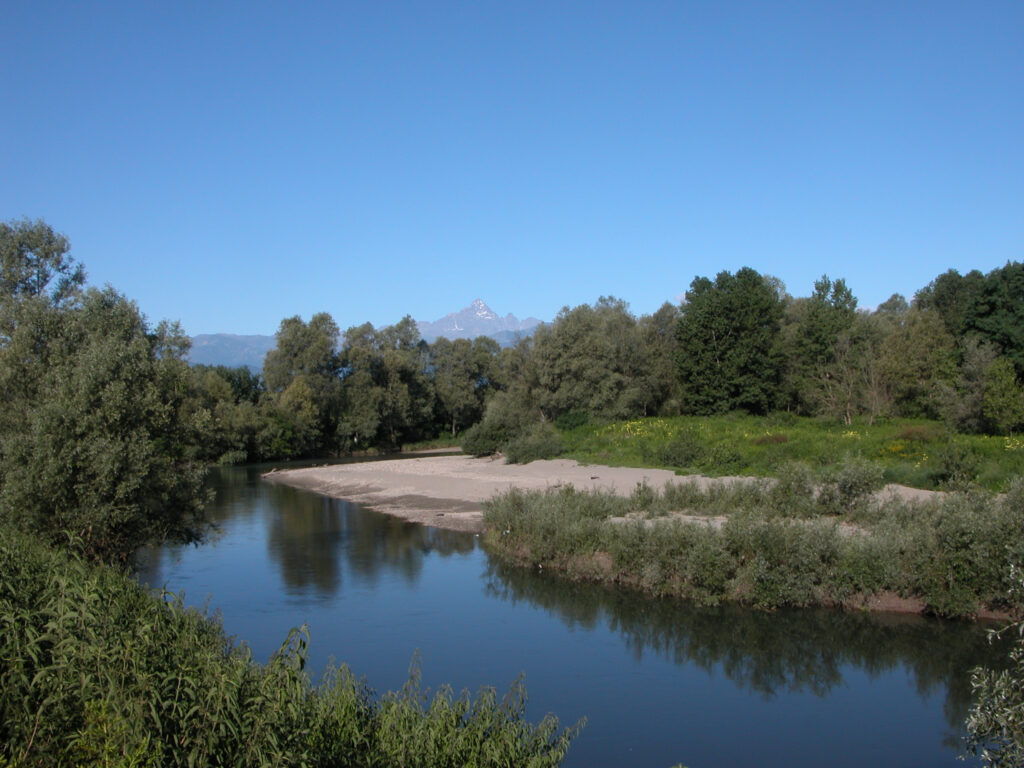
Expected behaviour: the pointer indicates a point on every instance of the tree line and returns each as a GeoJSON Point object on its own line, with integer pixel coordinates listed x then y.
{"type": "Point", "coordinates": [103, 421]}
{"type": "Point", "coordinates": [738, 342]}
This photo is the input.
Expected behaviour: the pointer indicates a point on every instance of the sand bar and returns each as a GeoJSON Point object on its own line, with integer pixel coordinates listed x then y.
{"type": "Point", "coordinates": [449, 491]}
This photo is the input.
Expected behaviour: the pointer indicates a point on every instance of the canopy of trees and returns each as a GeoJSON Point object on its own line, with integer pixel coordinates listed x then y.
{"type": "Point", "coordinates": [104, 428]}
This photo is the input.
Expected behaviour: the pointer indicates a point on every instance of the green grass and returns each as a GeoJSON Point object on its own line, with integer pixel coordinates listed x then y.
{"type": "Point", "coordinates": [918, 453]}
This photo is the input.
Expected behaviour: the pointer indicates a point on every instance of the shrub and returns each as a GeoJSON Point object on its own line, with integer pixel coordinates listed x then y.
{"type": "Point", "coordinates": [540, 441]}
{"type": "Point", "coordinates": [793, 493]}
{"type": "Point", "coordinates": [643, 498]}
{"type": "Point", "coordinates": [850, 486]}
{"type": "Point", "coordinates": [955, 465]}
{"type": "Point", "coordinates": [483, 439]}
{"type": "Point", "coordinates": [995, 729]}
{"type": "Point", "coordinates": [723, 458]}
{"type": "Point", "coordinates": [504, 419]}
{"type": "Point", "coordinates": [683, 450]}
{"type": "Point", "coordinates": [572, 420]}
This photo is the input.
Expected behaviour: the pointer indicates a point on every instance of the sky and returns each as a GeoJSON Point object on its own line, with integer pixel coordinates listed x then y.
{"type": "Point", "coordinates": [230, 164]}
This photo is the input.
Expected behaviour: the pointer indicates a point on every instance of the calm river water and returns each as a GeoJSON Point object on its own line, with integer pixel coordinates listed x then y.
{"type": "Point", "coordinates": [659, 682]}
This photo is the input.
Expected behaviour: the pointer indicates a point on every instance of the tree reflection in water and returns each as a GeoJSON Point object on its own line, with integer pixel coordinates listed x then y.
{"type": "Point", "coordinates": [312, 538]}
{"type": "Point", "coordinates": [805, 650]}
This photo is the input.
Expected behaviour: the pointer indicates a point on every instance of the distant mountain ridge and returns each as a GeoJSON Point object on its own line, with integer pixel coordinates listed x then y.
{"type": "Point", "coordinates": [477, 319]}
{"type": "Point", "coordinates": [230, 349]}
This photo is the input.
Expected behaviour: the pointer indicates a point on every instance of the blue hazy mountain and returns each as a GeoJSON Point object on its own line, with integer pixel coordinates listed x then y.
{"type": "Point", "coordinates": [478, 320]}
{"type": "Point", "coordinates": [231, 350]}
{"type": "Point", "coordinates": [475, 320]}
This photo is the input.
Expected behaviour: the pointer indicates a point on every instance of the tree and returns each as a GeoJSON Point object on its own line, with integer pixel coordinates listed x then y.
{"type": "Point", "coordinates": [306, 352]}
{"type": "Point", "coordinates": [962, 403]}
{"type": "Point", "coordinates": [388, 397]}
{"type": "Point", "coordinates": [658, 338]}
{"type": "Point", "coordinates": [997, 313]}
{"type": "Point", "coordinates": [1002, 404]}
{"type": "Point", "coordinates": [101, 444]}
{"type": "Point", "coordinates": [811, 340]}
{"type": "Point", "coordinates": [917, 358]}
{"type": "Point", "coordinates": [952, 296]}
{"type": "Point", "coordinates": [457, 379]}
{"type": "Point", "coordinates": [34, 262]}
{"type": "Point", "coordinates": [728, 336]}
{"type": "Point", "coordinates": [592, 359]}
{"type": "Point", "coordinates": [853, 382]}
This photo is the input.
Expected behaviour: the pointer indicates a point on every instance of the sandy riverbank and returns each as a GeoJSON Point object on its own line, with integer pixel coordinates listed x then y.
{"type": "Point", "coordinates": [449, 491]}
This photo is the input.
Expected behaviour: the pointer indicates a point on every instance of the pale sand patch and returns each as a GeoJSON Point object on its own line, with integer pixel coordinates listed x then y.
{"type": "Point", "coordinates": [449, 491]}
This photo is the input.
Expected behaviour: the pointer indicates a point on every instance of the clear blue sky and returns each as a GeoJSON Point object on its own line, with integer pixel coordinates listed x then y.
{"type": "Point", "coordinates": [228, 164]}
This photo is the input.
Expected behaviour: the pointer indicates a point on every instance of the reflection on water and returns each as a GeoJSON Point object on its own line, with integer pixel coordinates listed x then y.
{"type": "Point", "coordinates": [312, 539]}
{"type": "Point", "coordinates": [660, 681]}
{"type": "Point", "coordinates": [771, 654]}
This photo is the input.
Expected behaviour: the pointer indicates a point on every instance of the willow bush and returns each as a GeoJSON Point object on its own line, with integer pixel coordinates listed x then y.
{"type": "Point", "coordinates": [773, 544]}
{"type": "Point", "coordinates": [95, 671]}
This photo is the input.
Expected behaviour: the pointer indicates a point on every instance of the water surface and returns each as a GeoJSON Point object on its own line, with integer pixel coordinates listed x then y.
{"type": "Point", "coordinates": [659, 681]}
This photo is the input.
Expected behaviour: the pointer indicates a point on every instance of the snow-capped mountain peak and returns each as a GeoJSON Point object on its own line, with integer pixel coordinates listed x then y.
{"type": "Point", "coordinates": [482, 311]}
{"type": "Point", "coordinates": [477, 319]}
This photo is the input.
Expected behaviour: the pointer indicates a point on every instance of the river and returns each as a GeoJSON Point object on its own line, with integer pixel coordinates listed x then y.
{"type": "Point", "coordinates": [659, 681]}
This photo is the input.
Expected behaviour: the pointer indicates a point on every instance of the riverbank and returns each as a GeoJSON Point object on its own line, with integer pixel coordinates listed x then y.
{"type": "Point", "coordinates": [784, 542]}
{"type": "Point", "coordinates": [450, 491]}
{"type": "Point", "coordinates": [446, 491]}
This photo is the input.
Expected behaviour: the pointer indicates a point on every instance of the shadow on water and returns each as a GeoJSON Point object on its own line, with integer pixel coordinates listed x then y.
{"type": "Point", "coordinates": [313, 540]}
{"type": "Point", "coordinates": [769, 653]}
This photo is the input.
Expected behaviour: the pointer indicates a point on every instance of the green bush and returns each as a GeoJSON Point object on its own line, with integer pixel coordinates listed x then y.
{"type": "Point", "coordinates": [484, 439]}
{"type": "Point", "coordinates": [540, 441]}
{"type": "Point", "coordinates": [794, 492]}
{"type": "Point", "coordinates": [995, 728]}
{"type": "Point", "coordinates": [684, 450]}
{"type": "Point", "coordinates": [572, 420]}
{"type": "Point", "coordinates": [97, 672]}
{"type": "Point", "coordinates": [951, 553]}
{"type": "Point", "coordinates": [850, 486]}
{"type": "Point", "coordinates": [954, 466]}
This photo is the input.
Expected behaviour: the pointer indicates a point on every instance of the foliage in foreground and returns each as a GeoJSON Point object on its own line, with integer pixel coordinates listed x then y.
{"type": "Point", "coordinates": [995, 724]}
{"type": "Point", "coordinates": [97, 672]}
{"type": "Point", "coordinates": [773, 544]}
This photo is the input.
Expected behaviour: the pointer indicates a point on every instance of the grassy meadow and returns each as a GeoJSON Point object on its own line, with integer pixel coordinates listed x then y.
{"type": "Point", "coordinates": [914, 452]}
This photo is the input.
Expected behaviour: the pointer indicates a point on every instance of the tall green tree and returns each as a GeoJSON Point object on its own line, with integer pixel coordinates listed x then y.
{"type": "Point", "coordinates": [34, 262]}
{"type": "Point", "coordinates": [917, 358]}
{"type": "Point", "coordinates": [101, 445]}
{"type": "Point", "coordinates": [592, 359]}
{"type": "Point", "coordinates": [461, 373]}
{"type": "Point", "coordinates": [953, 296]}
{"type": "Point", "coordinates": [728, 335]}
{"type": "Point", "coordinates": [302, 375]}
{"type": "Point", "coordinates": [997, 314]}
{"type": "Point", "coordinates": [811, 342]}
{"type": "Point", "coordinates": [658, 339]}
{"type": "Point", "coordinates": [388, 398]}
